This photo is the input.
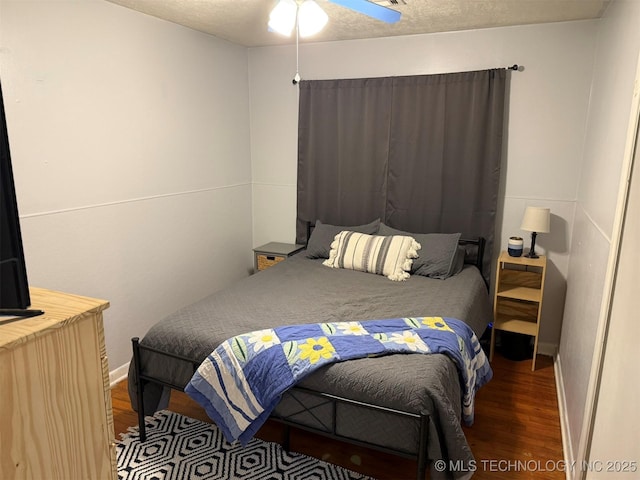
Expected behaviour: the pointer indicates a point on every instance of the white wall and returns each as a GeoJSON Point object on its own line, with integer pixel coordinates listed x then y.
{"type": "Point", "coordinates": [130, 144]}
{"type": "Point", "coordinates": [609, 110]}
{"type": "Point", "coordinates": [617, 416]}
{"type": "Point", "coordinates": [546, 123]}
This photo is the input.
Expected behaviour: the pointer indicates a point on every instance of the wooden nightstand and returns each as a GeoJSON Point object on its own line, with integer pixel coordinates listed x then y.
{"type": "Point", "coordinates": [518, 299]}
{"type": "Point", "coordinates": [272, 253]}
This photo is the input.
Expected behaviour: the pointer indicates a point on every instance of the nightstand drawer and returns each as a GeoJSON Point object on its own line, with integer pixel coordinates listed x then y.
{"type": "Point", "coordinates": [268, 255]}
{"type": "Point", "coordinates": [264, 261]}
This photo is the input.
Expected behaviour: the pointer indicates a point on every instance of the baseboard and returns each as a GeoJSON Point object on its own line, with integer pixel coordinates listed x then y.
{"type": "Point", "coordinates": [564, 419]}
{"type": "Point", "coordinates": [118, 374]}
{"type": "Point", "coordinates": [548, 349]}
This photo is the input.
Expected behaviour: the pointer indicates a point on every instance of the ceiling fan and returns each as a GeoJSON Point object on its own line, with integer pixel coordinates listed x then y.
{"type": "Point", "coordinates": [310, 18]}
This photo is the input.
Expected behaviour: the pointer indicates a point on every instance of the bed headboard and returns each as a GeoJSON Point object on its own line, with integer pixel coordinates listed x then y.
{"type": "Point", "coordinates": [474, 253]}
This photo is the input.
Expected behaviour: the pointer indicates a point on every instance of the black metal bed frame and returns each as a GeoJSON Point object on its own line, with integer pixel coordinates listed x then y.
{"type": "Point", "coordinates": [329, 431]}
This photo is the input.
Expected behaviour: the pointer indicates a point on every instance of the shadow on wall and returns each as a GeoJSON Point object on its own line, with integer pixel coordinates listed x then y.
{"type": "Point", "coordinates": [555, 292]}
{"type": "Point", "coordinates": [555, 289]}
{"type": "Point", "coordinates": [557, 240]}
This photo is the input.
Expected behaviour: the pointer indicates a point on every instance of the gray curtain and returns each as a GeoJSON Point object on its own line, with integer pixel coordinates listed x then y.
{"type": "Point", "coordinates": [422, 153]}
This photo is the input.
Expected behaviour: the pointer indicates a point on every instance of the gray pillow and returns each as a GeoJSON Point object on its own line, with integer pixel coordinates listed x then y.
{"type": "Point", "coordinates": [323, 234]}
{"type": "Point", "coordinates": [437, 257]}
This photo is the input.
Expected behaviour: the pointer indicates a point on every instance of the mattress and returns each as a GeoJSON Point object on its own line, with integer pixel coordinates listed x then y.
{"type": "Point", "coordinates": [301, 290]}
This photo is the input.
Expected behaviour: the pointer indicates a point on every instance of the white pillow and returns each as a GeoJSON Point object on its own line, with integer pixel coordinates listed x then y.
{"type": "Point", "coordinates": [391, 256]}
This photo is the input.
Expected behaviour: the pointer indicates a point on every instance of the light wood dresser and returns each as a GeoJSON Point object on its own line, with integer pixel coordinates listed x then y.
{"type": "Point", "coordinates": [55, 405]}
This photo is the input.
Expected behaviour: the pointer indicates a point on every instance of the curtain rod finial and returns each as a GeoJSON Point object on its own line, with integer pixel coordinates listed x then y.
{"type": "Point", "coordinates": [515, 67]}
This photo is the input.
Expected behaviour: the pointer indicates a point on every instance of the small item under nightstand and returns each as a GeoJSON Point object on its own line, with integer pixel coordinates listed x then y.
{"type": "Point", "coordinates": [268, 255]}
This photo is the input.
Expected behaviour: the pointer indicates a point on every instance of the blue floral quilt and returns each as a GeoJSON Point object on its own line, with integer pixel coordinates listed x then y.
{"type": "Point", "coordinates": [241, 382]}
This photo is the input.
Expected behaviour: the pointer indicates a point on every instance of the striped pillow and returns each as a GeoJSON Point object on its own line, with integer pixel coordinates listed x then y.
{"type": "Point", "coordinates": [391, 256]}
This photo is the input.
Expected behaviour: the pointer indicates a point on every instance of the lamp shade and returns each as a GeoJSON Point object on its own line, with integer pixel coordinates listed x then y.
{"type": "Point", "coordinates": [536, 219]}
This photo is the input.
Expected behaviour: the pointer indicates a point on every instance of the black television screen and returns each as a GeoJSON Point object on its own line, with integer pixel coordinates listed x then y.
{"type": "Point", "coordinates": [14, 288]}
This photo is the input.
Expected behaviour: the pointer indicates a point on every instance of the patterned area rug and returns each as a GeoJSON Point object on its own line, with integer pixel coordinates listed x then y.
{"type": "Point", "coordinates": [180, 448]}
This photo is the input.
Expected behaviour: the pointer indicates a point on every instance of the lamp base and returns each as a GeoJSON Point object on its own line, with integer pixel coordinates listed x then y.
{"type": "Point", "coordinates": [532, 250]}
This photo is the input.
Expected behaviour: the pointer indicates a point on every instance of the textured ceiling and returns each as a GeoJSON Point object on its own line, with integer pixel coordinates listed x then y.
{"type": "Point", "coordinates": [245, 21]}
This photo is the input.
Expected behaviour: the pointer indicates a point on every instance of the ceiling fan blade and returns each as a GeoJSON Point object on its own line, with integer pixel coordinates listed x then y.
{"type": "Point", "coordinates": [371, 9]}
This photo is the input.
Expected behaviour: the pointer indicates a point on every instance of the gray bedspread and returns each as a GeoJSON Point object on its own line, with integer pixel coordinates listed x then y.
{"type": "Point", "coordinates": [300, 290]}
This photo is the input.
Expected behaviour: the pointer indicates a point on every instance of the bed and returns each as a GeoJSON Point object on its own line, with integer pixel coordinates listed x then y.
{"type": "Point", "coordinates": [409, 405]}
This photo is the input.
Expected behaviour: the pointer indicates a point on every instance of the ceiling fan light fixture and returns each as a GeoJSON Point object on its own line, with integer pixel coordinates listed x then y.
{"type": "Point", "coordinates": [311, 18]}
{"type": "Point", "coordinates": [282, 18]}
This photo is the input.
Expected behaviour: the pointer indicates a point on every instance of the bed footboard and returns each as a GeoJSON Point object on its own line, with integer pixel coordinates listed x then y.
{"type": "Point", "coordinates": [135, 341]}
{"type": "Point", "coordinates": [142, 378]}
{"type": "Point", "coordinates": [327, 427]}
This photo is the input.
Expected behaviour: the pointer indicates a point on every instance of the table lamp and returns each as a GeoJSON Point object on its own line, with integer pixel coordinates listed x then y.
{"type": "Point", "coordinates": [536, 220]}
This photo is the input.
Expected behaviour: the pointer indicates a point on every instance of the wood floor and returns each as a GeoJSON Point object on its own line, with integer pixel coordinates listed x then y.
{"type": "Point", "coordinates": [516, 434]}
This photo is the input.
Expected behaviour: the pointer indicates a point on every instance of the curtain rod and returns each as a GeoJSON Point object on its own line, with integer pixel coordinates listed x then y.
{"type": "Point", "coordinates": [515, 67]}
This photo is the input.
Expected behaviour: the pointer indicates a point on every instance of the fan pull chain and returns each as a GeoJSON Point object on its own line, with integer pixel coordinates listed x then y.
{"type": "Point", "coordinates": [296, 78]}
